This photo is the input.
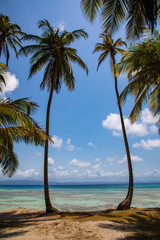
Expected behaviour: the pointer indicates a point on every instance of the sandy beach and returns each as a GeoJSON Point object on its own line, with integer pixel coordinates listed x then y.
{"type": "Point", "coordinates": [23, 224]}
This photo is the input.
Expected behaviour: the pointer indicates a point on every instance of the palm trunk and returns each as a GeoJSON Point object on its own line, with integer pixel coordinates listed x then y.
{"type": "Point", "coordinates": [127, 201]}
{"type": "Point", "coordinates": [49, 207]}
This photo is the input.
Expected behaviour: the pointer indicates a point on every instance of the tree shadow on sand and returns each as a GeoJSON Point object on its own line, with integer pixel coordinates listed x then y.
{"type": "Point", "coordinates": [140, 225]}
{"type": "Point", "coordinates": [13, 222]}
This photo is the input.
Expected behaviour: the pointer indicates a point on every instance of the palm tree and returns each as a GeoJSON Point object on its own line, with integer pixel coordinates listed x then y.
{"type": "Point", "coordinates": [108, 47]}
{"type": "Point", "coordinates": [143, 71]}
{"type": "Point", "coordinates": [52, 51]}
{"type": "Point", "coordinates": [9, 36]}
{"type": "Point", "coordinates": [136, 13]}
{"type": "Point", "coordinates": [16, 126]}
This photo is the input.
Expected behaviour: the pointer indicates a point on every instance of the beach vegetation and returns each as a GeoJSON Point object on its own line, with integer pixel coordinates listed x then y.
{"type": "Point", "coordinates": [52, 50]}
{"type": "Point", "coordinates": [10, 36]}
{"type": "Point", "coordinates": [135, 14]}
{"type": "Point", "coordinates": [16, 125]}
{"type": "Point", "coordinates": [141, 63]}
{"type": "Point", "coordinates": [110, 48]}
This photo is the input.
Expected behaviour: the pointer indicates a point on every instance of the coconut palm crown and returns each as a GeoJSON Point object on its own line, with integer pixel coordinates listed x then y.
{"type": "Point", "coordinates": [52, 50]}
{"type": "Point", "coordinates": [108, 47]}
{"type": "Point", "coordinates": [10, 35]}
{"type": "Point", "coordinates": [141, 62]}
{"type": "Point", "coordinates": [136, 13]}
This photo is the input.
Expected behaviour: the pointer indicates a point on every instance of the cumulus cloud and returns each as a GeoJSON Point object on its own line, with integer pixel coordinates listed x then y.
{"type": "Point", "coordinates": [134, 158]}
{"type": "Point", "coordinates": [51, 161]}
{"type": "Point", "coordinates": [11, 83]}
{"type": "Point", "coordinates": [27, 174]}
{"type": "Point", "coordinates": [78, 163]}
{"type": "Point", "coordinates": [90, 144]}
{"type": "Point", "coordinates": [142, 127]}
{"type": "Point", "coordinates": [60, 173]}
{"type": "Point", "coordinates": [70, 147]}
{"type": "Point", "coordinates": [58, 142]}
{"type": "Point", "coordinates": [96, 172]}
{"type": "Point", "coordinates": [148, 144]}
{"type": "Point", "coordinates": [146, 117]}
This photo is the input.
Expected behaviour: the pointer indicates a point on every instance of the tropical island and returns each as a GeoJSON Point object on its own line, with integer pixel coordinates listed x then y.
{"type": "Point", "coordinates": [63, 174]}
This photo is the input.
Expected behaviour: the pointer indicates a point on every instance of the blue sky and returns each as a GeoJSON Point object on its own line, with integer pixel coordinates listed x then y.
{"type": "Point", "coordinates": [84, 123]}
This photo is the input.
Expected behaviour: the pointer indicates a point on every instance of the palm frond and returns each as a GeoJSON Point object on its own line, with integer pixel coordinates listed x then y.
{"type": "Point", "coordinates": [8, 161]}
{"type": "Point", "coordinates": [76, 59]}
{"type": "Point", "coordinates": [91, 7]}
{"type": "Point", "coordinates": [112, 14]}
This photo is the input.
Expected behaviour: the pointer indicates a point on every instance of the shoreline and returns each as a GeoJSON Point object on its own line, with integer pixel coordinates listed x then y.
{"type": "Point", "coordinates": [135, 223]}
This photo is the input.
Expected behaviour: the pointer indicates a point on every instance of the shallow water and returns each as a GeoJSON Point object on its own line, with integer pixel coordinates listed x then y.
{"type": "Point", "coordinates": [78, 197]}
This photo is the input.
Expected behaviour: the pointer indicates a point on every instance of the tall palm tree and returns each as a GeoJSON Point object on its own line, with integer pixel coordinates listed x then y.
{"type": "Point", "coordinates": [16, 126]}
{"type": "Point", "coordinates": [143, 72]}
{"type": "Point", "coordinates": [108, 47]}
{"type": "Point", "coordinates": [52, 50]}
{"type": "Point", "coordinates": [9, 36]}
{"type": "Point", "coordinates": [136, 13]}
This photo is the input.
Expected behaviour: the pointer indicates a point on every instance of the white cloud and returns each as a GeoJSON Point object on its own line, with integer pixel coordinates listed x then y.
{"type": "Point", "coordinates": [94, 173]}
{"type": "Point", "coordinates": [134, 158]}
{"type": "Point", "coordinates": [60, 168]}
{"type": "Point", "coordinates": [68, 141]}
{"type": "Point", "coordinates": [58, 142]}
{"type": "Point", "coordinates": [149, 144]}
{"type": "Point", "coordinates": [112, 122]}
{"type": "Point", "coordinates": [142, 127]}
{"type": "Point", "coordinates": [11, 83]}
{"type": "Point", "coordinates": [153, 173]}
{"type": "Point", "coordinates": [78, 163]}
{"type": "Point", "coordinates": [27, 174]}
{"type": "Point", "coordinates": [59, 173]}
{"type": "Point", "coordinates": [90, 144]}
{"type": "Point", "coordinates": [97, 167]}
{"type": "Point", "coordinates": [146, 117]}
{"type": "Point", "coordinates": [116, 133]}
{"type": "Point", "coordinates": [153, 129]}
{"type": "Point", "coordinates": [61, 26]}
{"type": "Point", "coordinates": [51, 161]}
{"type": "Point", "coordinates": [97, 160]}
{"type": "Point", "coordinates": [70, 147]}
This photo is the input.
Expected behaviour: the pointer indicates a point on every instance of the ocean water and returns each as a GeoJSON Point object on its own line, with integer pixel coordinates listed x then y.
{"type": "Point", "coordinates": [78, 197]}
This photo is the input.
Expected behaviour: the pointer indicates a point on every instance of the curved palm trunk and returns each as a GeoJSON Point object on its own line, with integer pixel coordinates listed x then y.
{"type": "Point", "coordinates": [127, 201]}
{"type": "Point", "coordinates": [49, 207]}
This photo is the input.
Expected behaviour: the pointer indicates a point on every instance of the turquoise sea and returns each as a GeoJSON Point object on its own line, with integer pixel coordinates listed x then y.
{"type": "Point", "coordinates": [78, 197]}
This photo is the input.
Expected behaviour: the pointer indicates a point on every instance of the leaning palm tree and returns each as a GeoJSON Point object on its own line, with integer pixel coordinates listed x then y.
{"type": "Point", "coordinates": [141, 62]}
{"type": "Point", "coordinates": [108, 47]}
{"type": "Point", "coordinates": [52, 50]}
{"type": "Point", "coordinates": [136, 13]}
{"type": "Point", "coordinates": [17, 126]}
{"type": "Point", "coordinates": [9, 36]}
